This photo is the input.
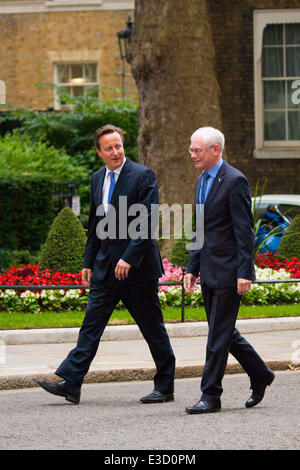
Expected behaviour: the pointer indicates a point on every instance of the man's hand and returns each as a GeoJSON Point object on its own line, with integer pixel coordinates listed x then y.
{"type": "Point", "coordinates": [189, 282]}
{"type": "Point", "coordinates": [122, 270]}
{"type": "Point", "coordinates": [243, 285]}
{"type": "Point", "coordinates": [86, 276]}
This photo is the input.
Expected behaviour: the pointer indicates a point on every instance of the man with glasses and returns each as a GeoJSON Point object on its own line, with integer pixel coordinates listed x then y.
{"type": "Point", "coordinates": [226, 268]}
{"type": "Point", "coordinates": [119, 267]}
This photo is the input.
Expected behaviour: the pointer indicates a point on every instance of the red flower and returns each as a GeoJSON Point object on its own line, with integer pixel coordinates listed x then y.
{"type": "Point", "coordinates": [270, 260]}
{"type": "Point", "coordinates": [31, 275]}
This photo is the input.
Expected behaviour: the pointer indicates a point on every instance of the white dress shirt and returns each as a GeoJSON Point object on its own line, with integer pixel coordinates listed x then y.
{"type": "Point", "coordinates": [106, 184]}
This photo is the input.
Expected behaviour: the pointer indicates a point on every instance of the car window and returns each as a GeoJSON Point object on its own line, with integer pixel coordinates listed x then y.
{"type": "Point", "coordinates": [289, 210]}
{"type": "Point", "coordinates": [261, 210]}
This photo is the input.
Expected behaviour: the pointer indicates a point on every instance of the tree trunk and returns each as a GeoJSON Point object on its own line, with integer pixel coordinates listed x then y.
{"type": "Point", "coordinates": [171, 53]}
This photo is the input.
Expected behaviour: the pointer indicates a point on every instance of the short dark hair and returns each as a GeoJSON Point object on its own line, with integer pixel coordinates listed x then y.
{"type": "Point", "coordinates": [107, 129]}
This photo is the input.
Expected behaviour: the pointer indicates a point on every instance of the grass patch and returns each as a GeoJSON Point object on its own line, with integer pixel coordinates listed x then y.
{"type": "Point", "coordinates": [74, 319]}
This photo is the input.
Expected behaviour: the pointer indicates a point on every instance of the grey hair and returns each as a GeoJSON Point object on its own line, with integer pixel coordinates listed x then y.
{"type": "Point", "coordinates": [210, 136]}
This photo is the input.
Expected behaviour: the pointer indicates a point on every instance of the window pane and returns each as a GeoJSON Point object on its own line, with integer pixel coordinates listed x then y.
{"type": "Point", "coordinates": [91, 72]}
{"type": "Point", "coordinates": [294, 125]}
{"type": "Point", "coordinates": [292, 33]}
{"type": "Point", "coordinates": [77, 70]}
{"type": "Point", "coordinates": [293, 94]}
{"type": "Point", "coordinates": [63, 73]}
{"type": "Point", "coordinates": [64, 89]}
{"type": "Point", "coordinates": [293, 61]}
{"type": "Point", "coordinates": [78, 90]}
{"type": "Point", "coordinates": [274, 96]}
{"type": "Point", "coordinates": [289, 210]}
{"type": "Point", "coordinates": [272, 62]}
{"type": "Point", "coordinates": [274, 125]}
{"type": "Point", "coordinates": [273, 34]}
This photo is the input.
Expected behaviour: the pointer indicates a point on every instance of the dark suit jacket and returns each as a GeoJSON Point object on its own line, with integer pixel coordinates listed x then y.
{"type": "Point", "coordinates": [139, 184]}
{"type": "Point", "coordinates": [227, 252]}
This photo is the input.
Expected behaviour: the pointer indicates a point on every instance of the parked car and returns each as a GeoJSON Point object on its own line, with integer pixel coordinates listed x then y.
{"type": "Point", "coordinates": [275, 212]}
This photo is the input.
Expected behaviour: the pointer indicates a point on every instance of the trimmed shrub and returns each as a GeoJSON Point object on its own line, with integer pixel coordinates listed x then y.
{"type": "Point", "coordinates": [180, 255]}
{"type": "Point", "coordinates": [64, 248]}
{"type": "Point", "coordinates": [290, 242]}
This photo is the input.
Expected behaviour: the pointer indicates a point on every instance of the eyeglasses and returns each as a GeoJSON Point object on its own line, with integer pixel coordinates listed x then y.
{"type": "Point", "coordinates": [199, 151]}
{"type": "Point", "coordinates": [110, 149]}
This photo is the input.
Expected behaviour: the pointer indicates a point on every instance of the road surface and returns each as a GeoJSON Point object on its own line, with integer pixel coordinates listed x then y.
{"type": "Point", "coordinates": [110, 417]}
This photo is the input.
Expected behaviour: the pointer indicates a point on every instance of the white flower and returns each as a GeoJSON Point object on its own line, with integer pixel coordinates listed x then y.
{"type": "Point", "coordinates": [9, 293]}
{"type": "Point", "coordinates": [27, 294]}
{"type": "Point", "coordinates": [72, 294]}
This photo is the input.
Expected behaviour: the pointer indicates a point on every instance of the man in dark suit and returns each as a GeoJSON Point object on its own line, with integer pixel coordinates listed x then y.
{"type": "Point", "coordinates": [120, 263]}
{"type": "Point", "coordinates": [225, 264]}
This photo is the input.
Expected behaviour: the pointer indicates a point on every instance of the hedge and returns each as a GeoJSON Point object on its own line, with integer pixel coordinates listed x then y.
{"type": "Point", "coordinates": [9, 258]}
{"type": "Point", "coordinates": [26, 211]}
{"type": "Point", "coordinates": [290, 243]}
{"type": "Point", "coordinates": [73, 130]}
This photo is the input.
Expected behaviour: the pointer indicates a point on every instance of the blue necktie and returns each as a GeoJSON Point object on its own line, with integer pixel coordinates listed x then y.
{"type": "Point", "coordinates": [205, 177]}
{"type": "Point", "coordinates": [112, 185]}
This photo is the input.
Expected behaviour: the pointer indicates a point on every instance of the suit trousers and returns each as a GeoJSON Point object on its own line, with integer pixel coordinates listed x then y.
{"type": "Point", "coordinates": [142, 301]}
{"type": "Point", "coordinates": [222, 306]}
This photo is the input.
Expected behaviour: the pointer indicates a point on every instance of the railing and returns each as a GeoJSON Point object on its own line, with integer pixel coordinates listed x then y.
{"type": "Point", "coordinates": [167, 283]}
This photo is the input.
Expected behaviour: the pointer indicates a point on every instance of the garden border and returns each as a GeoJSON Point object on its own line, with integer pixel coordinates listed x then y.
{"type": "Point", "coordinates": [167, 283]}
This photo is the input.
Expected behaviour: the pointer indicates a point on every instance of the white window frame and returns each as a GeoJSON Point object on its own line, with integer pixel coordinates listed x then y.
{"type": "Point", "coordinates": [57, 104]}
{"type": "Point", "coordinates": [72, 4]}
{"type": "Point", "coordinates": [269, 149]}
{"type": "Point", "coordinates": [45, 6]}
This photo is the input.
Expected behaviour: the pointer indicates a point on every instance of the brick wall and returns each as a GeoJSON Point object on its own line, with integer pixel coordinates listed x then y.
{"type": "Point", "coordinates": [30, 43]}
{"type": "Point", "coordinates": [232, 27]}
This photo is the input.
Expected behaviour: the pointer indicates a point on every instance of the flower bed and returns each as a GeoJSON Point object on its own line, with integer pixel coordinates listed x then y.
{"type": "Point", "coordinates": [31, 275]}
{"type": "Point", "coordinates": [259, 294]}
{"type": "Point", "coordinates": [270, 260]}
{"type": "Point", "coordinates": [268, 267]}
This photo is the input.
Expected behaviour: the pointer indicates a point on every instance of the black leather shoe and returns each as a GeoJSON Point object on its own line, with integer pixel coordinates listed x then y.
{"type": "Point", "coordinates": [258, 394]}
{"type": "Point", "coordinates": [157, 397]}
{"type": "Point", "coordinates": [203, 407]}
{"type": "Point", "coordinates": [62, 390]}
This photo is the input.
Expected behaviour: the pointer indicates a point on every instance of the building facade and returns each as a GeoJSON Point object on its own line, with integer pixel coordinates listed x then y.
{"type": "Point", "coordinates": [70, 43]}
{"type": "Point", "coordinates": [73, 44]}
{"type": "Point", "coordinates": [257, 57]}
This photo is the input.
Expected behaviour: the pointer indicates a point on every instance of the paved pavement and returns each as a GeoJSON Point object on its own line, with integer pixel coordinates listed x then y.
{"type": "Point", "coordinates": [29, 355]}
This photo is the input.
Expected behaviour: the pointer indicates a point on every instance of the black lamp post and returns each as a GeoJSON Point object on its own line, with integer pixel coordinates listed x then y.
{"type": "Point", "coordinates": [123, 37]}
